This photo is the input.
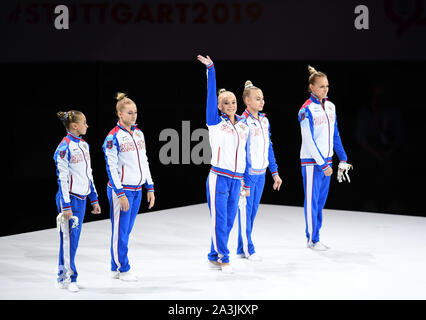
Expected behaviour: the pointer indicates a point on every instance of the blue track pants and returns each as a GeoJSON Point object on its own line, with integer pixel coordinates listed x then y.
{"type": "Point", "coordinates": [316, 186]}
{"type": "Point", "coordinates": [246, 215]}
{"type": "Point", "coordinates": [122, 223]}
{"type": "Point", "coordinates": [69, 238]}
{"type": "Point", "coordinates": [223, 194]}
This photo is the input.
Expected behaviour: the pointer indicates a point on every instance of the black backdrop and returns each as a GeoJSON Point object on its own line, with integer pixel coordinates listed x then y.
{"type": "Point", "coordinates": [168, 93]}
{"type": "Point", "coordinates": [148, 49]}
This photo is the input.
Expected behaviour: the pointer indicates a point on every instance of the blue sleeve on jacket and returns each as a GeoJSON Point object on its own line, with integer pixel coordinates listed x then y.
{"type": "Point", "coordinates": [337, 144]}
{"type": "Point", "coordinates": [273, 167]}
{"type": "Point", "coordinates": [212, 112]}
{"type": "Point", "coordinates": [111, 149]}
{"type": "Point", "coordinates": [62, 159]}
{"type": "Point", "coordinates": [93, 196]}
{"type": "Point", "coordinates": [149, 187]}
{"type": "Point", "coordinates": [248, 182]}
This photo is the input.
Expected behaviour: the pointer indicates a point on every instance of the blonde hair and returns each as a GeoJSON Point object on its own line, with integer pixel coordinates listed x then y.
{"type": "Point", "coordinates": [68, 117]}
{"type": "Point", "coordinates": [248, 86]}
{"type": "Point", "coordinates": [221, 93]}
{"type": "Point", "coordinates": [122, 101]}
{"type": "Point", "coordinates": [313, 75]}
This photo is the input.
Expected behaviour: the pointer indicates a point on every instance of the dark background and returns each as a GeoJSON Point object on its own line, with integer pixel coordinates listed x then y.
{"type": "Point", "coordinates": [379, 99]}
{"type": "Point", "coordinates": [170, 92]}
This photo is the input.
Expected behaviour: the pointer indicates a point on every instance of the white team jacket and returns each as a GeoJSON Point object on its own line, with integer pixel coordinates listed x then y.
{"type": "Point", "coordinates": [126, 161]}
{"type": "Point", "coordinates": [227, 140]}
{"type": "Point", "coordinates": [260, 153]}
{"type": "Point", "coordinates": [72, 159]}
{"type": "Point", "coordinates": [228, 144]}
{"type": "Point", "coordinates": [320, 134]}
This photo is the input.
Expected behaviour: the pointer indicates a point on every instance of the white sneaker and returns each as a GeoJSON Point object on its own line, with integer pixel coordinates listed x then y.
{"type": "Point", "coordinates": [214, 264]}
{"type": "Point", "coordinates": [115, 275]}
{"type": "Point", "coordinates": [318, 246]}
{"type": "Point", "coordinates": [127, 276]}
{"type": "Point", "coordinates": [73, 287]}
{"type": "Point", "coordinates": [227, 268]}
{"type": "Point", "coordinates": [61, 285]}
{"type": "Point", "coordinates": [254, 257]}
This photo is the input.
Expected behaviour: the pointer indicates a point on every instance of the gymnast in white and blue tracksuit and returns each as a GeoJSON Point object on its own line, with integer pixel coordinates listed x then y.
{"type": "Point", "coordinates": [75, 180]}
{"type": "Point", "coordinates": [320, 136]}
{"type": "Point", "coordinates": [128, 170]}
{"type": "Point", "coordinates": [228, 134]}
{"type": "Point", "coordinates": [260, 156]}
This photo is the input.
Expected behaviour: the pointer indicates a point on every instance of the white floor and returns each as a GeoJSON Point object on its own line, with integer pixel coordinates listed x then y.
{"type": "Point", "coordinates": [372, 256]}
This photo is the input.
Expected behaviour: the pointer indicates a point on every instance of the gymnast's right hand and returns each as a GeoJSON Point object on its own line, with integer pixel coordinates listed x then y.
{"type": "Point", "coordinates": [124, 203]}
{"type": "Point", "coordinates": [67, 213]}
{"type": "Point", "coordinates": [204, 60]}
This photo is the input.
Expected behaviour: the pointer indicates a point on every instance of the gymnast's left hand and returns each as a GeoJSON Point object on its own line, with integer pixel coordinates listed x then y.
{"type": "Point", "coordinates": [151, 199]}
{"type": "Point", "coordinates": [277, 182]}
{"type": "Point", "coordinates": [96, 208]}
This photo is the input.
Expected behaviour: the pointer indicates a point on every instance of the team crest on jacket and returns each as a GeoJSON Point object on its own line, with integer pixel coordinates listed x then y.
{"type": "Point", "coordinates": [62, 154]}
{"type": "Point", "coordinates": [243, 127]}
{"type": "Point", "coordinates": [109, 144]}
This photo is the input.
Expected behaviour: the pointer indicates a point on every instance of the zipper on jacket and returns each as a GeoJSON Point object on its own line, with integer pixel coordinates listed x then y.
{"type": "Point", "coordinates": [218, 156]}
{"type": "Point", "coordinates": [139, 160]}
{"type": "Point", "coordinates": [85, 161]}
{"type": "Point", "coordinates": [328, 123]}
{"type": "Point", "coordinates": [264, 142]}
{"type": "Point", "coordinates": [236, 152]}
{"type": "Point", "coordinates": [137, 152]}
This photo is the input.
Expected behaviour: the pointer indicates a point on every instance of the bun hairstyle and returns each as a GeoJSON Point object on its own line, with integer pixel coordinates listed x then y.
{"type": "Point", "coordinates": [122, 100]}
{"type": "Point", "coordinates": [68, 117]}
{"type": "Point", "coordinates": [248, 86]}
{"type": "Point", "coordinates": [220, 95]}
{"type": "Point", "coordinates": [63, 116]}
{"type": "Point", "coordinates": [313, 75]}
{"type": "Point", "coordinates": [311, 70]}
{"type": "Point", "coordinates": [120, 95]}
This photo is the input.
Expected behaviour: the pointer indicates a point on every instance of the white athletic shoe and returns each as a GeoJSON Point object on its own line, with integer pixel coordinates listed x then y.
{"type": "Point", "coordinates": [227, 268]}
{"type": "Point", "coordinates": [214, 264]}
{"type": "Point", "coordinates": [254, 257]}
{"type": "Point", "coordinates": [127, 276]}
{"type": "Point", "coordinates": [318, 246]}
{"type": "Point", "coordinates": [115, 275]}
{"type": "Point", "coordinates": [61, 285]}
{"type": "Point", "coordinates": [73, 287]}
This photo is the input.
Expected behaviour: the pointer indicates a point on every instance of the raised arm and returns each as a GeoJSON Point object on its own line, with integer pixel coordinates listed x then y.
{"type": "Point", "coordinates": [212, 113]}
